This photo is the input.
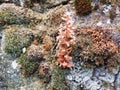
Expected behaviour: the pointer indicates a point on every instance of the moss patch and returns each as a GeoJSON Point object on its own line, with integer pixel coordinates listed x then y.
{"type": "Point", "coordinates": [28, 67]}
{"type": "Point", "coordinates": [96, 49]}
{"type": "Point", "coordinates": [7, 17]}
{"type": "Point", "coordinates": [58, 79]}
{"type": "Point", "coordinates": [15, 39]}
{"type": "Point", "coordinates": [83, 7]}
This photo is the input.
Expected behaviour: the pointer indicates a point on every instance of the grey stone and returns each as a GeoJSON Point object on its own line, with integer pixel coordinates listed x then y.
{"type": "Point", "coordinates": [117, 82]}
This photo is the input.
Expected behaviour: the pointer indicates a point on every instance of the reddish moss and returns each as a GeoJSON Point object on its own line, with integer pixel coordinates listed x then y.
{"type": "Point", "coordinates": [55, 16]}
{"type": "Point", "coordinates": [98, 46]}
{"type": "Point", "coordinates": [44, 71]}
{"type": "Point", "coordinates": [83, 7]}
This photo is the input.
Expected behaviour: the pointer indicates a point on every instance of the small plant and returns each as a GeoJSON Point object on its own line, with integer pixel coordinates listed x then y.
{"type": "Point", "coordinates": [65, 39]}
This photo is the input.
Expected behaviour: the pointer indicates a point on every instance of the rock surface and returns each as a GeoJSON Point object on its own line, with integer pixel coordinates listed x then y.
{"type": "Point", "coordinates": [43, 29]}
{"type": "Point", "coordinates": [117, 83]}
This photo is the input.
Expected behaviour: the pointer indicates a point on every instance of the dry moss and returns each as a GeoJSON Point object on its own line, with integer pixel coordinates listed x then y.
{"type": "Point", "coordinates": [34, 53]}
{"type": "Point", "coordinates": [44, 71]}
{"type": "Point", "coordinates": [83, 7]}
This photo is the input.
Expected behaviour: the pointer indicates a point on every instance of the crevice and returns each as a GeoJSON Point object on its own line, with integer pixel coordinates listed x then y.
{"type": "Point", "coordinates": [62, 3]}
{"type": "Point", "coordinates": [1, 2]}
{"type": "Point", "coordinates": [116, 77]}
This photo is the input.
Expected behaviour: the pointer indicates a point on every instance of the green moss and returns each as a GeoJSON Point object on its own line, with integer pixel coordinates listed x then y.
{"type": "Point", "coordinates": [118, 1]}
{"type": "Point", "coordinates": [58, 79]}
{"type": "Point", "coordinates": [28, 67]}
{"type": "Point", "coordinates": [118, 28]}
{"type": "Point", "coordinates": [14, 40]}
{"type": "Point", "coordinates": [105, 84]}
{"type": "Point", "coordinates": [1, 28]}
{"type": "Point", "coordinates": [7, 17]}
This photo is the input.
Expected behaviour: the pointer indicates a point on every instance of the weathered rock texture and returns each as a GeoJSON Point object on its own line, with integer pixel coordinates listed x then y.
{"type": "Point", "coordinates": [31, 37]}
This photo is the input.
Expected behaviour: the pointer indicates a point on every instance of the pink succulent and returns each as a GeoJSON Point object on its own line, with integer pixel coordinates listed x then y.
{"type": "Point", "coordinates": [66, 39]}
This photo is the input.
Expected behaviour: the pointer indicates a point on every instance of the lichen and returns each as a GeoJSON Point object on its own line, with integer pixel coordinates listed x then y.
{"type": "Point", "coordinates": [118, 28]}
{"type": "Point", "coordinates": [66, 39]}
{"type": "Point", "coordinates": [105, 84]}
{"type": "Point", "coordinates": [55, 16]}
{"type": "Point", "coordinates": [31, 59]}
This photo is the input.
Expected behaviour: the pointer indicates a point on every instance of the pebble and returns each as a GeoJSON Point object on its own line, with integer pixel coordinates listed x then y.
{"type": "Point", "coordinates": [69, 77]}
{"type": "Point", "coordinates": [14, 64]}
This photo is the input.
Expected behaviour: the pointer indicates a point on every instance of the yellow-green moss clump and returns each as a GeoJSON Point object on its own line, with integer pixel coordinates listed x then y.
{"type": "Point", "coordinates": [31, 59]}
{"type": "Point", "coordinates": [58, 79]}
{"type": "Point", "coordinates": [28, 67]}
{"type": "Point", "coordinates": [8, 17]}
{"type": "Point", "coordinates": [83, 7]}
{"type": "Point", "coordinates": [15, 39]}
